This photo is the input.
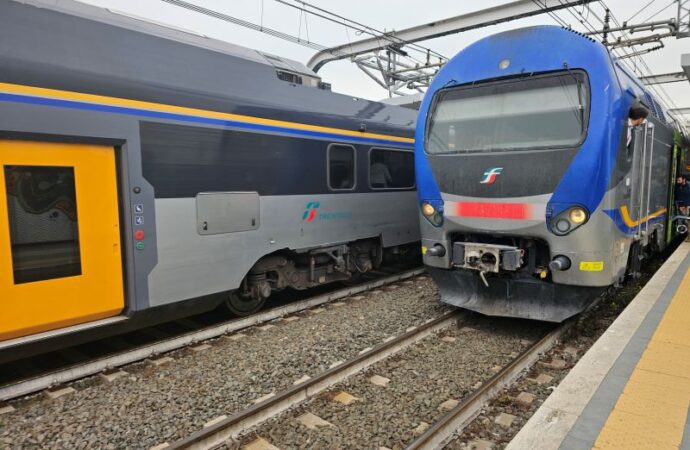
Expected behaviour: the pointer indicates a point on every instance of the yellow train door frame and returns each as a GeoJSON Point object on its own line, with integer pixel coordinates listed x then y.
{"type": "Point", "coordinates": [60, 249]}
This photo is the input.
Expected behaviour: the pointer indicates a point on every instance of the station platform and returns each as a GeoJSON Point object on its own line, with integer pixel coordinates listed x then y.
{"type": "Point", "coordinates": [631, 390]}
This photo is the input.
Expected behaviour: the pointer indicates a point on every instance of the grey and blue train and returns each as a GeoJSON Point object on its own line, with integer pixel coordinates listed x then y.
{"type": "Point", "coordinates": [149, 173]}
{"type": "Point", "coordinates": [538, 187]}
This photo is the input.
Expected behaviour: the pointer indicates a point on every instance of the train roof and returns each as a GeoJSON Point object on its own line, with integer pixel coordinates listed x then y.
{"type": "Point", "coordinates": [537, 47]}
{"type": "Point", "coordinates": [68, 45]}
{"type": "Point", "coordinates": [144, 25]}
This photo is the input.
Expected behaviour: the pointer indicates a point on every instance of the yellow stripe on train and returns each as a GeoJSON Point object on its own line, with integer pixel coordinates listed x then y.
{"type": "Point", "coordinates": [159, 107]}
{"type": "Point", "coordinates": [625, 215]}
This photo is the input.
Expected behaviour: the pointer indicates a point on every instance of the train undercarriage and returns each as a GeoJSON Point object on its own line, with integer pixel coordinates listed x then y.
{"type": "Point", "coordinates": [307, 269]}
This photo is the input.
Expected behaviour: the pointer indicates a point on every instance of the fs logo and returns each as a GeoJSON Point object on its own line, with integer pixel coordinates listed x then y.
{"type": "Point", "coordinates": [491, 174]}
{"type": "Point", "coordinates": [310, 212]}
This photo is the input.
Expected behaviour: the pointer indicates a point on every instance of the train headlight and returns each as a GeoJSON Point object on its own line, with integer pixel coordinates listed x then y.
{"type": "Point", "coordinates": [569, 220]}
{"type": "Point", "coordinates": [428, 210]}
{"type": "Point", "coordinates": [577, 215]}
{"type": "Point", "coordinates": [433, 215]}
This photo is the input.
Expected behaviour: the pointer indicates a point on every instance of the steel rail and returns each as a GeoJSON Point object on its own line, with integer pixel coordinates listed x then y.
{"type": "Point", "coordinates": [217, 434]}
{"type": "Point", "coordinates": [443, 430]}
{"type": "Point", "coordinates": [81, 370]}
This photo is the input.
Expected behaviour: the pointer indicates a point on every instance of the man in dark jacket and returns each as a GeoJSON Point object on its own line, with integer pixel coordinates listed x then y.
{"type": "Point", "coordinates": [682, 194]}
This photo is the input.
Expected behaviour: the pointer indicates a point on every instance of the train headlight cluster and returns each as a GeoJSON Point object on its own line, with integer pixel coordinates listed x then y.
{"type": "Point", "coordinates": [432, 214]}
{"type": "Point", "coordinates": [569, 220]}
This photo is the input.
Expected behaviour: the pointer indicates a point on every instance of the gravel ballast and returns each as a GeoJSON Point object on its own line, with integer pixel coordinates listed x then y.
{"type": "Point", "coordinates": [442, 367]}
{"type": "Point", "coordinates": [162, 404]}
{"type": "Point", "coordinates": [586, 331]}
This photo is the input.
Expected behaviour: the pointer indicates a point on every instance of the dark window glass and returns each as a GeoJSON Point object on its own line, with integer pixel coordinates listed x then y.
{"type": "Point", "coordinates": [542, 112]}
{"type": "Point", "coordinates": [391, 169]}
{"type": "Point", "coordinates": [341, 167]}
{"type": "Point", "coordinates": [44, 231]}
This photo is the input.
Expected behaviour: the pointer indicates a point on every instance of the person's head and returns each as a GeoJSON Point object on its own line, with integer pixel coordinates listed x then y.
{"type": "Point", "coordinates": [681, 179]}
{"type": "Point", "coordinates": [637, 115]}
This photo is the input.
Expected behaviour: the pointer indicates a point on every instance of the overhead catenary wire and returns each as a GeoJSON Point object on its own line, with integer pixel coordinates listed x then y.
{"type": "Point", "coordinates": [414, 62]}
{"type": "Point", "coordinates": [246, 24]}
{"type": "Point", "coordinates": [639, 11]}
{"type": "Point", "coordinates": [661, 93]}
{"type": "Point", "coordinates": [352, 24]}
{"type": "Point", "coordinates": [639, 65]}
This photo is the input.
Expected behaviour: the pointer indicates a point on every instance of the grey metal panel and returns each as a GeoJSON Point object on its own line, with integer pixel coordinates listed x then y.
{"type": "Point", "coordinates": [191, 265]}
{"type": "Point", "coordinates": [226, 212]}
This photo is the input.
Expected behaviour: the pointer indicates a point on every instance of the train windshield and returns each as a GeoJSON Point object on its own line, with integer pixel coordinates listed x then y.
{"type": "Point", "coordinates": [528, 113]}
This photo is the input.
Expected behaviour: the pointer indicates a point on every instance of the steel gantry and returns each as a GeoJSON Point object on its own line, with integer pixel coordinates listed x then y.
{"type": "Point", "coordinates": [383, 57]}
{"type": "Point", "coordinates": [384, 54]}
{"type": "Point", "coordinates": [664, 78]}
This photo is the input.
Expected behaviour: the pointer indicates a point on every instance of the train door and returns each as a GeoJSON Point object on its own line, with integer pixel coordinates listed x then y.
{"type": "Point", "coordinates": [60, 254]}
{"type": "Point", "coordinates": [642, 169]}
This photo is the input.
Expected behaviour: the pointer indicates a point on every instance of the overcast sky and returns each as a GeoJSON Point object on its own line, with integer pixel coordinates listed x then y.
{"type": "Point", "coordinates": [388, 15]}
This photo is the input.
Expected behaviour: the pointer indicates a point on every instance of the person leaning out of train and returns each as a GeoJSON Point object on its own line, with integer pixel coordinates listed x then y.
{"type": "Point", "coordinates": [636, 117]}
{"type": "Point", "coordinates": [682, 195]}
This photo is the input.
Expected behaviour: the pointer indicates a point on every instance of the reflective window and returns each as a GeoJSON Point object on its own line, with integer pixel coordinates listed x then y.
{"type": "Point", "coordinates": [391, 169]}
{"type": "Point", "coordinates": [541, 112]}
{"type": "Point", "coordinates": [341, 167]}
{"type": "Point", "coordinates": [44, 230]}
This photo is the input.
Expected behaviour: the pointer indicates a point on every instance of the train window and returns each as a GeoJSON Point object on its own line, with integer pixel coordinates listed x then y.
{"type": "Point", "coordinates": [527, 113]}
{"type": "Point", "coordinates": [391, 169]}
{"type": "Point", "coordinates": [44, 230]}
{"type": "Point", "coordinates": [341, 167]}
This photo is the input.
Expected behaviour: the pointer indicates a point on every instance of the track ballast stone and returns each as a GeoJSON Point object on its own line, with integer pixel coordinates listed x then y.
{"type": "Point", "coordinates": [424, 378]}
{"type": "Point", "coordinates": [544, 377]}
{"type": "Point", "coordinates": [169, 402]}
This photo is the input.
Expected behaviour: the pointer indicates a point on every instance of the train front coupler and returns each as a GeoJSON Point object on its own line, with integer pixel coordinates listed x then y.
{"type": "Point", "coordinates": [486, 258]}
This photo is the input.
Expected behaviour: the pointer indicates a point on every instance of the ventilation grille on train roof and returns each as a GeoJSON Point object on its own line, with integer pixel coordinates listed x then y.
{"type": "Point", "coordinates": [579, 34]}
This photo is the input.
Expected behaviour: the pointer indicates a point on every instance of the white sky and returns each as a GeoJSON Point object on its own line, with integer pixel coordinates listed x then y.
{"type": "Point", "coordinates": [344, 76]}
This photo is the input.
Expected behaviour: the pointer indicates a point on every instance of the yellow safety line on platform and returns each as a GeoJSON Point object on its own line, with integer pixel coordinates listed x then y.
{"type": "Point", "coordinates": [652, 410]}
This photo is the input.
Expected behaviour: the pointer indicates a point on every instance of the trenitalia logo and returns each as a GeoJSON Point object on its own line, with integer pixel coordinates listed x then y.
{"type": "Point", "coordinates": [490, 175]}
{"type": "Point", "coordinates": [310, 212]}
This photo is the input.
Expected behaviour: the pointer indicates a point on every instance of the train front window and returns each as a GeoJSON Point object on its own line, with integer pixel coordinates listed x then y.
{"type": "Point", "coordinates": [44, 230]}
{"type": "Point", "coordinates": [527, 113]}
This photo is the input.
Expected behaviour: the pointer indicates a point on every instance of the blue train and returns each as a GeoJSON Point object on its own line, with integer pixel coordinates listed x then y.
{"type": "Point", "coordinates": [545, 174]}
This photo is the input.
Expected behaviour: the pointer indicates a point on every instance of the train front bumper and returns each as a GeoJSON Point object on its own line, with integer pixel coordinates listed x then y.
{"type": "Point", "coordinates": [525, 298]}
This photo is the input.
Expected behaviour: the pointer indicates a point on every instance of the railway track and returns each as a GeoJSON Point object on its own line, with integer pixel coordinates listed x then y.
{"type": "Point", "coordinates": [164, 342]}
{"type": "Point", "coordinates": [443, 430]}
{"type": "Point", "coordinates": [435, 437]}
{"type": "Point", "coordinates": [218, 433]}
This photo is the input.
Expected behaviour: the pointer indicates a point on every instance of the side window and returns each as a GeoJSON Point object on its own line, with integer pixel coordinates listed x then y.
{"type": "Point", "coordinates": [341, 167]}
{"type": "Point", "coordinates": [391, 169]}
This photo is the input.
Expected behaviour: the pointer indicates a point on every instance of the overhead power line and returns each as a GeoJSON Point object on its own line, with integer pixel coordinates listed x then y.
{"type": "Point", "coordinates": [246, 24]}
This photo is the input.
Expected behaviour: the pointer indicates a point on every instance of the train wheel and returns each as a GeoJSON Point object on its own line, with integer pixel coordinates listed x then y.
{"type": "Point", "coordinates": [243, 306]}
